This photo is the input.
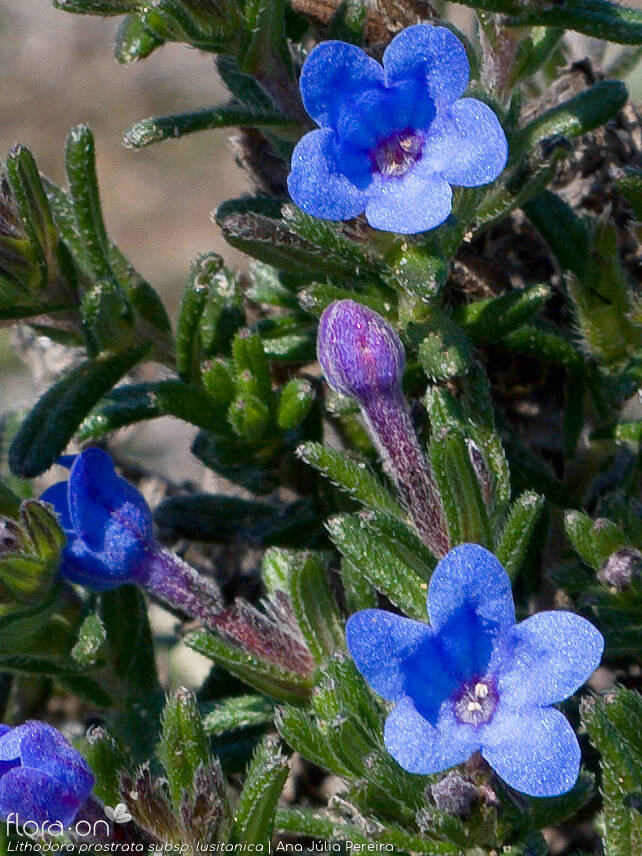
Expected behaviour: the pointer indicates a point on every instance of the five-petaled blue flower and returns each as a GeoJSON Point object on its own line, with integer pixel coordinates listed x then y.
{"type": "Point", "coordinates": [474, 680]}
{"type": "Point", "coordinates": [107, 522]}
{"type": "Point", "coordinates": [393, 139]}
{"type": "Point", "coordinates": [42, 777]}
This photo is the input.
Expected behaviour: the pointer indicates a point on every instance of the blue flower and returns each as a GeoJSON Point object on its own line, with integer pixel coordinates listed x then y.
{"type": "Point", "coordinates": [393, 139]}
{"type": "Point", "coordinates": [107, 522]}
{"type": "Point", "coordinates": [42, 777]}
{"type": "Point", "coordinates": [474, 680]}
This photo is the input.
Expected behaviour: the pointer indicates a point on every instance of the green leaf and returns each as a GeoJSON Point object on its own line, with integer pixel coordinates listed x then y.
{"type": "Point", "coordinates": [594, 540]}
{"type": "Point", "coordinates": [614, 724]}
{"type": "Point", "coordinates": [254, 813]}
{"type": "Point", "coordinates": [193, 303]}
{"type": "Point", "coordinates": [565, 232]}
{"type": "Point", "coordinates": [459, 489]}
{"type": "Point", "coordinates": [107, 760]}
{"type": "Point", "coordinates": [351, 475]}
{"type": "Point", "coordinates": [213, 519]}
{"type": "Point", "coordinates": [91, 640]}
{"type": "Point", "coordinates": [160, 128]}
{"type": "Point", "coordinates": [183, 746]}
{"type": "Point", "coordinates": [301, 733]}
{"type": "Point", "coordinates": [514, 540]}
{"type": "Point", "coordinates": [83, 186]}
{"type": "Point", "coordinates": [134, 41]}
{"type": "Point", "coordinates": [128, 404]}
{"type": "Point", "coordinates": [380, 563]}
{"type": "Point", "coordinates": [124, 615]}
{"type": "Point", "coordinates": [314, 605]}
{"type": "Point", "coordinates": [97, 7]}
{"type": "Point", "coordinates": [582, 113]}
{"type": "Point", "coordinates": [268, 678]}
{"type": "Point", "coordinates": [51, 423]}
{"type": "Point", "coordinates": [296, 399]}
{"type": "Point", "coordinates": [236, 713]}
{"type": "Point", "coordinates": [492, 318]}
{"type": "Point", "coordinates": [31, 200]}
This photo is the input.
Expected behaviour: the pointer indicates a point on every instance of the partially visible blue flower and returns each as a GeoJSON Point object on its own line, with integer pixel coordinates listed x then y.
{"type": "Point", "coordinates": [42, 777]}
{"type": "Point", "coordinates": [474, 680]}
{"type": "Point", "coordinates": [107, 522]}
{"type": "Point", "coordinates": [393, 139]}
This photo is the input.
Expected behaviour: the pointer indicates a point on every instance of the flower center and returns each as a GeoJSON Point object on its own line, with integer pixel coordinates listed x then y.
{"type": "Point", "coordinates": [395, 155]}
{"type": "Point", "coordinates": [476, 703]}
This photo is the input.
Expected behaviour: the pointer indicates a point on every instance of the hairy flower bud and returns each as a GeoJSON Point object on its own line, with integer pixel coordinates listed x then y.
{"type": "Point", "coordinates": [360, 353]}
{"type": "Point", "coordinates": [362, 356]}
{"type": "Point", "coordinates": [621, 568]}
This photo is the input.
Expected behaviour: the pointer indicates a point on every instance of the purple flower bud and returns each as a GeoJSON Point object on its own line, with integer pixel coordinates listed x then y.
{"type": "Point", "coordinates": [360, 354]}
{"type": "Point", "coordinates": [621, 568]}
{"type": "Point", "coordinates": [42, 777]}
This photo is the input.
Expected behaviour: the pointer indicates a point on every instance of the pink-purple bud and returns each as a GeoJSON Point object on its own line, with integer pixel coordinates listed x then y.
{"type": "Point", "coordinates": [360, 353]}
{"type": "Point", "coordinates": [362, 356]}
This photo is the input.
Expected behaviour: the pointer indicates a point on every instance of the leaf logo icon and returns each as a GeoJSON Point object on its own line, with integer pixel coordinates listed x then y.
{"type": "Point", "coordinates": [118, 814]}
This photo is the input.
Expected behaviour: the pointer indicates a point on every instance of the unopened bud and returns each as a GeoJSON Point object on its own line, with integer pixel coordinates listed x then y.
{"type": "Point", "coordinates": [621, 568]}
{"type": "Point", "coordinates": [360, 353]}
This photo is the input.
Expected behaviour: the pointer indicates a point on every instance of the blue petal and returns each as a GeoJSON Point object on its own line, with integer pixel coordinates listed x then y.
{"type": "Point", "coordinates": [466, 144]}
{"type": "Point", "coordinates": [315, 183]}
{"type": "Point", "coordinates": [471, 578]}
{"type": "Point", "coordinates": [420, 747]}
{"type": "Point", "coordinates": [535, 752]}
{"type": "Point", "coordinates": [108, 513]}
{"type": "Point", "coordinates": [44, 748]}
{"type": "Point", "coordinates": [82, 566]}
{"type": "Point", "coordinates": [553, 654]}
{"type": "Point", "coordinates": [379, 113]}
{"type": "Point", "coordinates": [414, 203]}
{"type": "Point", "coordinates": [432, 54]}
{"type": "Point", "coordinates": [33, 795]}
{"type": "Point", "coordinates": [58, 496]}
{"type": "Point", "coordinates": [380, 642]}
{"type": "Point", "coordinates": [333, 75]}
{"type": "Point", "coordinates": [10, 743]}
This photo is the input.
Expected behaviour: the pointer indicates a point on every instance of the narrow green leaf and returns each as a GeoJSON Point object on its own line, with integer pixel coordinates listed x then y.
{"type": "Point", "coordinates": [301, 733]}
{"type": "Point", "coordinates": [459, 489]}
{"type": "Point", "coordinates": [134, 41]}
{"type": "Point", "coordinates": [351, 475]}
{"type": "Point", "coordinates": [129, 404]}
{"type": "Point", "coordinates": [83, 186]}
{"type": "Point", "coordinates": [236, 713]}
{"type": "Point", "coordinates": [377, 560]}
{"type": "Point", "coordinates": [183, 746]}
{"type": "Point", "coordinates": [564, 232]}
{"type": "Point", "coordinates": [513, 542]}
{"type": "Point", "coordinates": [295, 401]}
{"type": "Point", "coordinates": [160, 128]}
{"type": "Point", "coordinates": [614, 724]}
{"type": "Point", "coordinates": [574, 117]}
{"type": "Point", "coordinates": [267, 678]}
{"type": "Point", "coordinates": [491, 318]}
{"type": "Point", "coordinates": [254, 814]}
{"type": "Point", "coordinates": [314, 605]}
{"type": "Point", "coordinates": [51, 423]}
{"type": "Point", "coordinates": [188, 345]}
